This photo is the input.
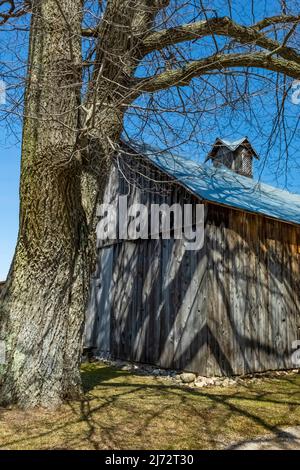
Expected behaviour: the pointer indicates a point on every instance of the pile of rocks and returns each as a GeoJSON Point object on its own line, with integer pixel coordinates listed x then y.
{"type": "Point", "coordinates": [185, 378]}
{"type": "Point", "coordinates": [199, 381]}
{"type": "Point", "coordinates": [190, 379]}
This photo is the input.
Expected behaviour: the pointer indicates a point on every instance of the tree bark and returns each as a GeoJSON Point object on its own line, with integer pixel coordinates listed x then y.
{"type": "Point", "coordinates": [42, 306]}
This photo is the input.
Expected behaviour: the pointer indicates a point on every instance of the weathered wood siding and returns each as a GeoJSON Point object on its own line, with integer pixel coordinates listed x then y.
{"type": "Point", "coordinates": [158, 308]}
{"type": "Point", "coordinates": [253, 313]}
{"type": "Point", "coordinates": [153, 290]}
{"type": "Point", "coordinates": [230, 308]}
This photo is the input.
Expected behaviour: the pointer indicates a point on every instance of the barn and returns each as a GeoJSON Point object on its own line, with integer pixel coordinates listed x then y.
{"type": "Point", "coordinates": [229, 308]}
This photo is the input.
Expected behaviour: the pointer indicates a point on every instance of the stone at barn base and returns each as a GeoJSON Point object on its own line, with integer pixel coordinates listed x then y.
{"type": "Point", "coordinates": [187, 377]}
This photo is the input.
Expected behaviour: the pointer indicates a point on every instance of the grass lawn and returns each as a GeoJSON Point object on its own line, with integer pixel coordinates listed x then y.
{"type": "Point", "coordinates": [126, 411]}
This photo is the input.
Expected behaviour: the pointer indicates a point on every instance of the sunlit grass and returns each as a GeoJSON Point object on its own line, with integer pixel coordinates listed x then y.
{"type": "Point", "coordinates": [126, 411]}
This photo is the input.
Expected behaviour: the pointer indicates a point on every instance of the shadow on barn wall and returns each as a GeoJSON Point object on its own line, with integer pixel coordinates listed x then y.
{"type": "Point", "coordinates": [230, 308]}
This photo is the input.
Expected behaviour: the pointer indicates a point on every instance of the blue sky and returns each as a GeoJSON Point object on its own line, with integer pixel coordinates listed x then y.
{"type": "Point", "coordinates": [277, 171]}
{"type": "Point", "coordinates": [9, 202]}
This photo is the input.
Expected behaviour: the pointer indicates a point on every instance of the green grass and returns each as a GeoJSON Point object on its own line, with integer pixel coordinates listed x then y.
{"type": "Point", "coordinates": [126, 411]}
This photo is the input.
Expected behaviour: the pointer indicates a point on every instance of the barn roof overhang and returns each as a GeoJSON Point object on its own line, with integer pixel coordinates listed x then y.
{"type": "Point", "coordinates": [222, 186]}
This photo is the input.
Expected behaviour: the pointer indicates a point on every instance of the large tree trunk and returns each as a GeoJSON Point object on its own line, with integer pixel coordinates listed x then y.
{"type": "Point", "coordinates": [65, 163]}
{"type": "Point", "coordinates": [42, 306]}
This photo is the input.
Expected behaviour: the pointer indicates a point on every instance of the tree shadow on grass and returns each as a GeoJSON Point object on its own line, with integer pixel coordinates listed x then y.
{"type": "Point", "coordinates": [232, 403]}
{"type": "Point", "coordinates": [123, 410]}
{"type": "Point", "coordinates": [94, 376]}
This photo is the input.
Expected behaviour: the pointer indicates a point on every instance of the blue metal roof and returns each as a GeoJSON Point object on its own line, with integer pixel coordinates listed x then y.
{"type": "Point", "coordinates": [233, 145]}
{"type": "Point", "coordinates": [223, 186]}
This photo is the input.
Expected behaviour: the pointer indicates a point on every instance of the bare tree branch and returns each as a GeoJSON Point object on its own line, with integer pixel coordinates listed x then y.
{"type": "Point", "coordinates": [13, 10]}
{"type": "Point", "coordinates": [272, 20]}
{"type": "Point", "coordinates": [265, 23]}
{"type": "Point", "coordinates": [218, 62]}
{"type": "Point", "coordinates": [216, 26]}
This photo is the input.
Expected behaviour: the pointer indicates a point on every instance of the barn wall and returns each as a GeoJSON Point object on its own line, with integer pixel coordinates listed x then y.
{"type": "Point", "coordinates": [154, 291]}
{"type": "Point", "coordinates": [230, 308]}
{"type": "Point", "coordinates": [253, 313]}
{"type": "Point", "coordinates": [158, 304]}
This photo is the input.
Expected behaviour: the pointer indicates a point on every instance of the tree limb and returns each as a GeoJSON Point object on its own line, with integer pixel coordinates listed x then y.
{"type": "Point", "coordinates": [90, 32]}
{"type": "Point", "coordinates": [272, 20]}
{"type": "Point", "coordinates": [265, 23]}
{"type": "Point", "coordinates": [183, 76]}
{"type": "Point", "coordinates": [217, 26]}
{"type": "Point", "coordinates": [13, 11]}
